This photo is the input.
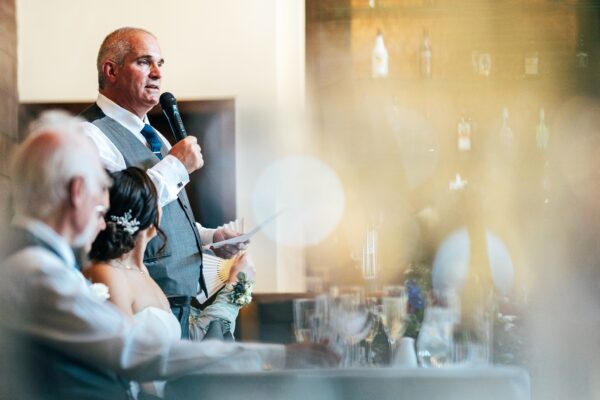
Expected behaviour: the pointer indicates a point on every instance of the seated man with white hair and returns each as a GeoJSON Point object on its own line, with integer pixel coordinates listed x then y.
{"type": "Point", "coordinates": [58, 339]}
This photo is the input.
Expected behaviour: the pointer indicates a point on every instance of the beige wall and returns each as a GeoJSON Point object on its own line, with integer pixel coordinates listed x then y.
{"type": "Point", "coordinates": [252, 51]}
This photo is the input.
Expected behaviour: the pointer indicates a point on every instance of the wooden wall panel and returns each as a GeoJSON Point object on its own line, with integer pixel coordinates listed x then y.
{"type": "Point", "coordinates": [8, 95]}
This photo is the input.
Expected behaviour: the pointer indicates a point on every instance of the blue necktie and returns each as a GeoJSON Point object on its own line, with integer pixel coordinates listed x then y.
{"type": "Point", "coordinates": [153, 140]}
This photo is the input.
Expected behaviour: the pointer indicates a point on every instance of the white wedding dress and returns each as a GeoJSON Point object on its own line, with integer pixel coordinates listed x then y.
{"type": "Point", "coordinates": [156, 321]}
{"type": "Point", "coordinates": [154, 317]}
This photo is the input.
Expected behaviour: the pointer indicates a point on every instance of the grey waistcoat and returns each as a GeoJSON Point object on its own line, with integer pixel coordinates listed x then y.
{"type": "Point", "coordinates": [179, 268]}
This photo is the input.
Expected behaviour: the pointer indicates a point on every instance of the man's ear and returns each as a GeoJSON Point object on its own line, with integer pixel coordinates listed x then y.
{"type": "Point", "coordinates": [110, 70]}
{"type": "Point", "coordinates": [76, 191]}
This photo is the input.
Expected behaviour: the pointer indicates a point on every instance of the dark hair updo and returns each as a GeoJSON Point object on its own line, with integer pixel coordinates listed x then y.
{"type": "Point", "coordinates": [132, 192]}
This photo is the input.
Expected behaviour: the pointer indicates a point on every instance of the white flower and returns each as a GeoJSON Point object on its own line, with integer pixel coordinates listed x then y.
{"type": "Point", "coordinates": [508, 326]}
{"type": "Point", "coordinates": [100, 290]}
{"type": "Point", "coordinates": [505, 318]}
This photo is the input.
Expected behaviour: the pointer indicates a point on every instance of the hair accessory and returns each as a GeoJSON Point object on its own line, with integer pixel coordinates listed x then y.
{"type": "Point", "coordinates": [130, 225]}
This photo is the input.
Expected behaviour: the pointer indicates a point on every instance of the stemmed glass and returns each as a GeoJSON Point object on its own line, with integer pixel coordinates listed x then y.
{"type": "Point", "coordinates": [394, 313]}
{"type": "Point", "coordinates": [349, 320]}
{"type": "Point", "coordinates": [375, 317]}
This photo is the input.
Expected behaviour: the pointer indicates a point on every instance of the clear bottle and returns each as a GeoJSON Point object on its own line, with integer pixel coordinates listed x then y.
{"type": "Point", "coordinates": [581, 54]}
{"type": "Point", "coordinates": [542, 134]}
{"type": "Point", "coordinates": [473, 336]}
{"type": "Point", "coordinates": [546, 183]}
{"type": "Point", "coordinates": [463, 129]}
{"type": "Point", "coordinates": [532, 64]}
{"type": "Point", "coordinates": [379, 58]}
{"type": "Point", "coordinates": [425, 56]}
{"type": "Point", "coordinates": [506, 133]}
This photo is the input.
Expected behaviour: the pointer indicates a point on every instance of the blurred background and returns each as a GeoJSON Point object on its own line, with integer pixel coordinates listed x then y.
{"type": "Point", "coordinates": [379, 128]}
{"type": "Point", "coordinates": [396, 98]}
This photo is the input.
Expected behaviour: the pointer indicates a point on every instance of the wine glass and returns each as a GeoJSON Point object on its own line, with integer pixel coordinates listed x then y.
{"type": "Point", "coordinates": [349, 319]}
{"type": "Point", "coordinates": [394, 313]}
{"type": "Point", "coordinates": [375, 317]}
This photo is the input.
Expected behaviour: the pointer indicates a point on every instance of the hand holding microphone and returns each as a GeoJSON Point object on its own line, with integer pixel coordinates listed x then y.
{"type": "Point", "coordinates": [187, 150]}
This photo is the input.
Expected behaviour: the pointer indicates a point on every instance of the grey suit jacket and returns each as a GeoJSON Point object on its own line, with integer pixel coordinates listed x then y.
{"type": "Point", "coordinates": [31, 369]}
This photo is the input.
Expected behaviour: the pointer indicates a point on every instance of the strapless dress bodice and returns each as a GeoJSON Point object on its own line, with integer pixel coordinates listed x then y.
{"type": "Point", "coordinates": [159, 321]}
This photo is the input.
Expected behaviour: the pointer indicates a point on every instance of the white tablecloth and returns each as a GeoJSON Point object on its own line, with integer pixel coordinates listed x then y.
{"type": "Point", "coordinates": [488, 383]}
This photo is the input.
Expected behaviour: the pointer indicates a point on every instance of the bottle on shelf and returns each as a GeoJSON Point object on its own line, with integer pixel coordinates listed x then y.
{"type": "Point", "coordinates": [542, 134]}
{"type": "Point", "coordinates": [425, 56]}
{"type": "Point", "coordinates": [483, 63]}
{"type": "Point", "coordinates": [581, 54]}
{"type": "Point", "coordinates": [546, 183]}
{"type": "Point", "coordinates": [531, 63]}
{"type": "Point", "coordinates": [464, 134]}
{"type": "Point", "coordinates": [506, 133]}
{"type": "Point", "coordinates": [379, 58]}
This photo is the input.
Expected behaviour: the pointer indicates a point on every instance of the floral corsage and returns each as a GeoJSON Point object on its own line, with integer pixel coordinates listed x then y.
{"type": "Point", "coordinates": [100, 290]}
{"type": "Point", "coordinates": [241, 292]}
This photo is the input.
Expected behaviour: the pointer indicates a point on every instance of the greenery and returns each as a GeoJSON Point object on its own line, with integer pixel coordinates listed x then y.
{"type": "Point", "coordinates": [241, 294]}
{"type": "Point", "coordinates": [508, 335]}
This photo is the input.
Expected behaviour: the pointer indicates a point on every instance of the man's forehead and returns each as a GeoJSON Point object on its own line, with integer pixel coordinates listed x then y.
{"type": "Point", "coordinates": [143, 44]}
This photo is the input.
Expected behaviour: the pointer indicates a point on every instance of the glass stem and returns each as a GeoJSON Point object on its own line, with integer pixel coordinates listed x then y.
{"type": "Point", "coordinates": [369, 352]}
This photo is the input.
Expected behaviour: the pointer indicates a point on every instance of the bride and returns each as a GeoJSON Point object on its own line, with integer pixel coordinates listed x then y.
{"type": "Point", "coordinates": [117, 257]}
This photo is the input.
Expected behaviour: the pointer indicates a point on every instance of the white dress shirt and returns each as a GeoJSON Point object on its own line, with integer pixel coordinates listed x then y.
{"type": "Point", "coordinates": [169, 174]}
{"type": "Point", "coordinates": [42, 297]}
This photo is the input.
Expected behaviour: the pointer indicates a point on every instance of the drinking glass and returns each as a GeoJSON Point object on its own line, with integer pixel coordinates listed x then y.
{"type": "Point", "coordinates": [304, 320]}
{"type": "Point", "coordinates": [435, 344]}
{"type": "Point", "coordinates": [473, 338]}
{"type": "Point", "coordinates": [394, 313]}
{"type": "Point", "coordinates": [369, 255]}
{"type": "Point", "coordinates": [349, 321]}
{"type": "Point", "coordinates": [375, 311]}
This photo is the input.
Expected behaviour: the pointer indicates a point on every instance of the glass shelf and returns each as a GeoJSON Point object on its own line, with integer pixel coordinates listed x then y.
{"type": "Point", "coordinates": [497, 9]}
{"type": "Point", "coordinates": [540, 84]}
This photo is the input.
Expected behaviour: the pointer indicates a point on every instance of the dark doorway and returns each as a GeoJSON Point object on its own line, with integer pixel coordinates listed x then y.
{"type": "Point", "coordinates": [211, 189]}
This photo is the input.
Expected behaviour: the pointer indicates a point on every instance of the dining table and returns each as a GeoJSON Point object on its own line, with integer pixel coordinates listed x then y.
{"type": "Point", "coordinates": [488, 382]}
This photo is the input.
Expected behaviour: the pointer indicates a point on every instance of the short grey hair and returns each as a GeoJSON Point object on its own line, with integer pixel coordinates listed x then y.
{"type": "Point", "coordinates": [55, 151]}
{"type": "Point", "coordinates": [115, 47]}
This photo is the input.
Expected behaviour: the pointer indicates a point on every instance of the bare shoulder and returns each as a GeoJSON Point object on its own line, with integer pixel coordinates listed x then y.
{"type": "Point", "coordinates": [117, 281]}
{"type": "Point", "coordinates": [101, 272]}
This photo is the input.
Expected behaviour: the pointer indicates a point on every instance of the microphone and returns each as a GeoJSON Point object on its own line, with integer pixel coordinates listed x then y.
{"type": "Point", "coordinates": [169, 106]}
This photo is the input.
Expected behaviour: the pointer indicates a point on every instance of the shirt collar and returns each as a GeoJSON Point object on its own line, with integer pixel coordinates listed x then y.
{"type": "Point", "coordinates": [124, 117]}
{"type": "Point", "coordinates": [49, 236]}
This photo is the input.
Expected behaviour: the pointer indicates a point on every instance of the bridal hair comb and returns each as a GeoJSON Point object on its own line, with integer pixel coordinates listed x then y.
{"type": "Point", "coordinates": [130, 225]}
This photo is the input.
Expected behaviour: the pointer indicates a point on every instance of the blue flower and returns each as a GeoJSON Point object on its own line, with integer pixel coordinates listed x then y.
{"type": "Point", "coordinates": [415, 296]}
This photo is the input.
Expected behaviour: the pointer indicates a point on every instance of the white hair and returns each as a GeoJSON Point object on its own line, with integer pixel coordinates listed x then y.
{"type": "Point", "coordinates": [53, 153]}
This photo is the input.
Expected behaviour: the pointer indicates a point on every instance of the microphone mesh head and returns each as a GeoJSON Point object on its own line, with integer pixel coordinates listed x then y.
{"type": "Point", "coordinates": [167, 100]}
